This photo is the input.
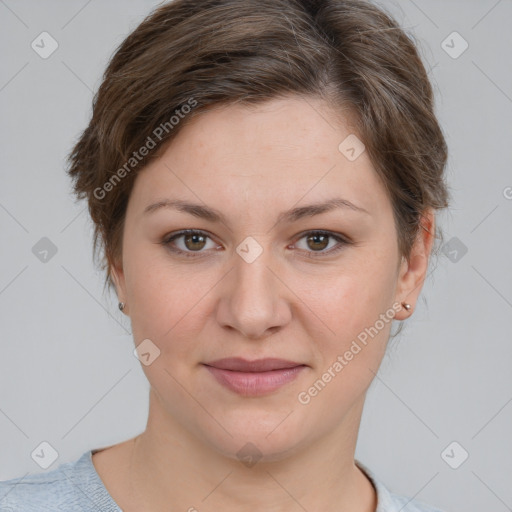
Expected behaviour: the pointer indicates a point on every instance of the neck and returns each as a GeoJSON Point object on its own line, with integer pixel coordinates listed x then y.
{"type": "Point", "coordinates": [169, 465]}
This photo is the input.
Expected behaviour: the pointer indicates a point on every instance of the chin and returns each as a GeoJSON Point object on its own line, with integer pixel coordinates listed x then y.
{"type": "Point", "coordinates": [260, 436]}
{"type": "Point", "coordinates": [250, 449]}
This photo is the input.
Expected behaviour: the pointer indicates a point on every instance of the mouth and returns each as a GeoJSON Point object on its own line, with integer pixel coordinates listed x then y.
{"type": "Point", "coordinates": [254, 378]}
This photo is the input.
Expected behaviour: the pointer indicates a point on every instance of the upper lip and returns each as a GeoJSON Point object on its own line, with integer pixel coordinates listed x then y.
{"type": "Point", "coordinates": [238, 364]}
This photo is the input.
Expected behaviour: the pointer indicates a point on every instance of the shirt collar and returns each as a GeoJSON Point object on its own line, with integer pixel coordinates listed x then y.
{"type": "Point", "coordinates": [385, 501]}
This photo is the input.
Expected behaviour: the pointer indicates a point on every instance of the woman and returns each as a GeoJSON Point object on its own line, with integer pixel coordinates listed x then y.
{"type": "Point", "coordinates": [263, 179]}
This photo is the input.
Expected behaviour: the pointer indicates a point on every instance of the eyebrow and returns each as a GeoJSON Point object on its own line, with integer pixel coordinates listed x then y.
{"type": "Point", "coordinates": [293, 215]}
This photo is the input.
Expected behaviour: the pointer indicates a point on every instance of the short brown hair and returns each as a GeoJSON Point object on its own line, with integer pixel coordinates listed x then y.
{"type": "Point", "coordinates": [189, 55]}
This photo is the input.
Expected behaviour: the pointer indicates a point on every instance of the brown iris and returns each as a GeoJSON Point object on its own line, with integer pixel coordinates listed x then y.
{"type": "Point", "coordinates": [194, 241]}
{"type": "Point", "coordinates": [322, 240]}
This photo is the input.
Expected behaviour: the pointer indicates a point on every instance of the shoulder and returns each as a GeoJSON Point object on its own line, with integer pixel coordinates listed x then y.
{"type": "Point", "coordinates": [52, 490]}
{"type": "Point", "coordinates": [388, 501]}
{"type": "Point", "coordinates": [405, 504]}
{"type": "Point", "coordinates": [73, 486]}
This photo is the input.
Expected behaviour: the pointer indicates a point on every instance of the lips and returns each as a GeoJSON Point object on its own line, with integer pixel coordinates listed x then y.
{"type": "Point", "coordinates": [254, 378]}
{"type": "Point", "coordinates": [237, 364]}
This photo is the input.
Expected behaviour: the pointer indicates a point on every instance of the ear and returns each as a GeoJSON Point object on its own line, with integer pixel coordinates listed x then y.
{"type": "Point", "coordinates": [412, 272]}
{"type": "Point", "coordinates": [117, 273]}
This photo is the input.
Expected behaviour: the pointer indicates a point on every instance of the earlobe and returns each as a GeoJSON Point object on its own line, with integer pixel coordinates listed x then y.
{"type": "Point", "coordinates": [117, 275]}
{"type": "Point", "coordinates": [414, 270]}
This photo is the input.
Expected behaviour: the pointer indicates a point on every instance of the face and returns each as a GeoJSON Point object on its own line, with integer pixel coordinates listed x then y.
{"type": "Point", "coordinates": [263, 278]}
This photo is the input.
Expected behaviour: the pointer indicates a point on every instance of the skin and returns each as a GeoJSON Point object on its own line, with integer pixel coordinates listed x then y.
{"type": "Point", "coordinates": [251, 164]}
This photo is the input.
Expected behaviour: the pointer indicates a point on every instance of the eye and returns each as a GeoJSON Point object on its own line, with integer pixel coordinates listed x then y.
{"type": "Point", "coordinates": [318, 241]}
{"type": "Point", "coordinates": [193, 242]}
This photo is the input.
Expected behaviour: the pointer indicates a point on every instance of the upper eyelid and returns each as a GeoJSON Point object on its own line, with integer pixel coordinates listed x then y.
{"type": "Point", "coordinates": [173, 236]}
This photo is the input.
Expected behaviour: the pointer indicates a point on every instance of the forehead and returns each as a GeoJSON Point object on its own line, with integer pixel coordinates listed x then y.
{"type": "Point", "coordinates": [278, 151]}
{"type": "Point", "coordinates": [293, 127]}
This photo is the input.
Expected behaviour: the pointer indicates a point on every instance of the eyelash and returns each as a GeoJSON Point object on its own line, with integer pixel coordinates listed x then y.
{"type": "Point", "coordinates": [309, 254]}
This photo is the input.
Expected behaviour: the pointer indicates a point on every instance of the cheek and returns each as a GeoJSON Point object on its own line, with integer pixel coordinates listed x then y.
{"type": "Point", "coordinates": [350, 353]}
{"type": "Point", "coordinates": [348, 299]}
{"type": "Point", "coordinates": [354, 306]}
{"type": "Point", "coordinates": [163, 296]}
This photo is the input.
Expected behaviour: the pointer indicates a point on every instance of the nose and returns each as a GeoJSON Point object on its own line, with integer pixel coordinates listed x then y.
{"type": "Point", "coordinates": [254, 299]}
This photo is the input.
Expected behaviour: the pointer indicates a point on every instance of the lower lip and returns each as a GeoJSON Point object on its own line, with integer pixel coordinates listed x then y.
{"type": "Point", "coordinates": [255, 383]}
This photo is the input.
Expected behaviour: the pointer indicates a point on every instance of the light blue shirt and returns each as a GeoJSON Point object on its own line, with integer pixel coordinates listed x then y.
{"type": "Point", "coordinates": [76, 487]}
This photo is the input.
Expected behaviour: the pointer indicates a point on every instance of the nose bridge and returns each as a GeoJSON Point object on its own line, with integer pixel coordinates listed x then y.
{"type": "Point", "coordinates": [253, 304]}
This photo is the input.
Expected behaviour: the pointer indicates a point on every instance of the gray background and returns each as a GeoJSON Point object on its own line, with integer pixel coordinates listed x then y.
{"type": "Point", "coordinates": [67, 372]}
